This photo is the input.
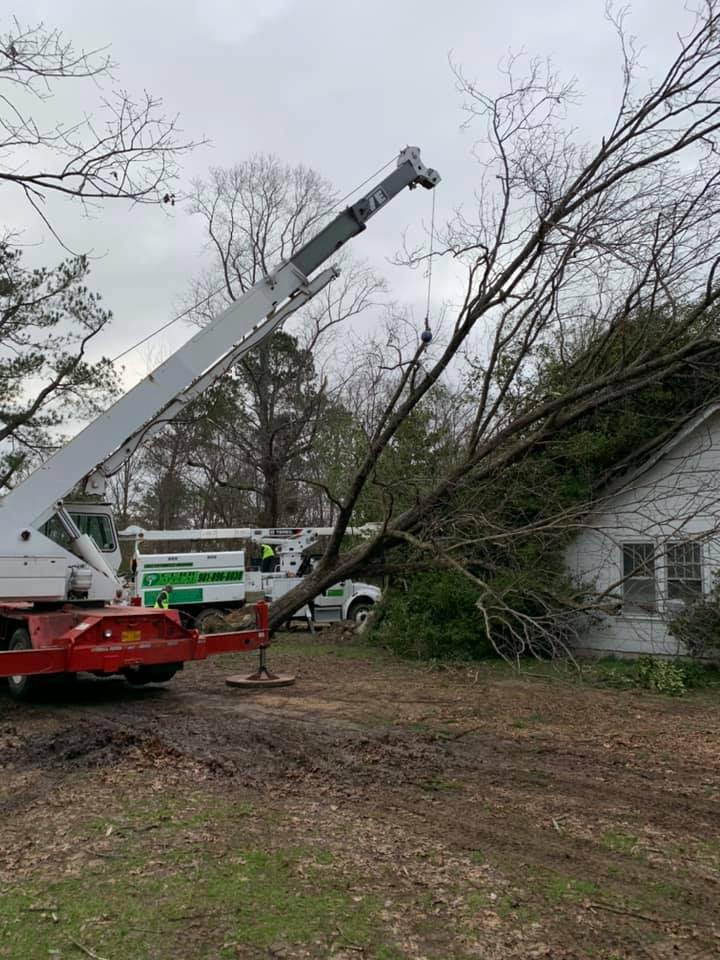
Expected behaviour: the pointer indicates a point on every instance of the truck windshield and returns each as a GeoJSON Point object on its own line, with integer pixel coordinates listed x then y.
{"type": "Point", "coordinates": [96, 525]}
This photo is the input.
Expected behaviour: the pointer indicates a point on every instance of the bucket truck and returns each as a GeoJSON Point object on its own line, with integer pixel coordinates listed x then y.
{"type": "Point", "coordinates": [206, 584]}
{"type": "Point", "coordinates": [61, 601]}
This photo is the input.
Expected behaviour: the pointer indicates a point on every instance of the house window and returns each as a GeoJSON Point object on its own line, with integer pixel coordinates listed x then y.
{"type": "Point", "coordinates": [639, 590]}
{"type": "Point", "coordinates": [684, 571]}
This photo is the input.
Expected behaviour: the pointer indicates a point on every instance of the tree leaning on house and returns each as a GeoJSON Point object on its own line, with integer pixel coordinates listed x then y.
{"type": "Point", "coordinates": [515, 535]}
{"type": "Point", "coordinates": [572, 244]}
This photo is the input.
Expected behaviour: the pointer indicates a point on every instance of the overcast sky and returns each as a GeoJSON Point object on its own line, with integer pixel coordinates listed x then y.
{"type": "Point", "coordinates": [338, 86]}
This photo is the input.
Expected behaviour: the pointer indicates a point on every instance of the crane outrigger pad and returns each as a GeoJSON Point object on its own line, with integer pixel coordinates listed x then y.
{"type": "Point", "coordinates": [258, 680]}
{"type": "Point", "coordinates": [261, 678]}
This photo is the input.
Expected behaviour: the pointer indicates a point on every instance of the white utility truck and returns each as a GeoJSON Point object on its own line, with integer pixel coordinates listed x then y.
{"type": "Point", "coordinates": [62, 605]}
{"type": "Point", "coordinates": [207, 584]}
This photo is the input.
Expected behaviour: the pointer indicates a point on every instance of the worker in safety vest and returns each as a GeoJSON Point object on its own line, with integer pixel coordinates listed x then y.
{"type": "Point", "coordinates": [268, 558]}
{"type": "Point", "coordinates": [162, 601]}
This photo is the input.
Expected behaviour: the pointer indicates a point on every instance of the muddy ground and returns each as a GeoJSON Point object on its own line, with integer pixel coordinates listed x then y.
{"type": "Point", "coordinates": [377, 809]}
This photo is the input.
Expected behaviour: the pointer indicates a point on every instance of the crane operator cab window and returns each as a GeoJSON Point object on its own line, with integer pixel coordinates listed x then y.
{"type": "Point", "coordinates": [98, 526]}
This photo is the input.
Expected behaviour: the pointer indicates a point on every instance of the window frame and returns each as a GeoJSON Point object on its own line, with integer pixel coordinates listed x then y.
{"type": "Point", "coordinates": [632, 608]}
{"type": "Point", "coordinates": [53, 529]}
{"type": "Point", "coordinates": [691, 596]}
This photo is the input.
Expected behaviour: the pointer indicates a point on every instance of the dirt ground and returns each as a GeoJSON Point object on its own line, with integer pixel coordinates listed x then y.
{"type": "Point", "coordinates": [377, 809]}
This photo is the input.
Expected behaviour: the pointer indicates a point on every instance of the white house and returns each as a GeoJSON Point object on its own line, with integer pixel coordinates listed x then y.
{"type": "Point", "coordinates": [653, 542]}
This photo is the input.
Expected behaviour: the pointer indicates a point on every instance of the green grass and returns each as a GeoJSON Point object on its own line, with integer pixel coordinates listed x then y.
{"type": "Point", "coordinates": [533, 720]}
{"type": "Point", "coordinates": [179, 883]}
{"type": "Point", "coordinates": [168, 815]}
{"type": "Point", "coordinates": [710, 849]}
{"type": "Point", "coordinates": [251, 897]}
{"type": "Point", "coordinates": [557, 887]}
{"type": "Point", "coordinates": [543, 890]}
{"type": "Point", "coordinates": [618, 842]}
{"type": "Point", "coordinates": [664, 897]}
{"type": "Point", "coordinates": [308, 646]}
{"type": "Point", "coordinates": [607, 672]}
{"type": "Point", "coordinates": [504, 905]}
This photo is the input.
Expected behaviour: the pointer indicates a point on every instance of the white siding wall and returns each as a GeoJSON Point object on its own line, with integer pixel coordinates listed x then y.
{"type": "Point", "coordinates": [676, 499]}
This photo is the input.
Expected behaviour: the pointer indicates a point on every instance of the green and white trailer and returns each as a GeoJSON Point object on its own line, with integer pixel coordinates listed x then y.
{"type": "Point", "coordinates": [207, 584]}
{"type": "Point", "coordinates": [198, 580]}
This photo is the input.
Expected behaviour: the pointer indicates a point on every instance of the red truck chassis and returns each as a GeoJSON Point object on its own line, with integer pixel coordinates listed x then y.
{"type": "Point", "coordinates": [113, 639]}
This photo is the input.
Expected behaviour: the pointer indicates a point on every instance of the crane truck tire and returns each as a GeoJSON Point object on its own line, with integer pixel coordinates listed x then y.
{"type": "Point", "coordinates": [210, 620]}
{"type": "Point", "coordinates": [21, 688]}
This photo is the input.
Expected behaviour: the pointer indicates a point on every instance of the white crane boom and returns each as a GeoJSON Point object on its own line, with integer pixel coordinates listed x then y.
{"type": "Point", "coordinates": [106, 443]}
{"type": "Point", "coordinates": [96, 481]}
{"type": "Point", "coordinates": [33, 500]}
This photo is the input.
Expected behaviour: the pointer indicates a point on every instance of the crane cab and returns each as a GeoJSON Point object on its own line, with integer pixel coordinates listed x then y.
{"type": "Point", "coordinates": [94, 519]}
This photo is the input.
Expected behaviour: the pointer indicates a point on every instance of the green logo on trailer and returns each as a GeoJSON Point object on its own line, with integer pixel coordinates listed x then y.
{"type": "Point", "coordinates": [192, 577]}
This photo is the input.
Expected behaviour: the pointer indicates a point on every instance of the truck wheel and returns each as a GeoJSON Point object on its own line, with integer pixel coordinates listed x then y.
{"type": "Point", "coordinates": [210, 620]}
{"type": "Point", "coordinates": [359, 611]}
{"type": "Point", "coordinates": [21, 687]}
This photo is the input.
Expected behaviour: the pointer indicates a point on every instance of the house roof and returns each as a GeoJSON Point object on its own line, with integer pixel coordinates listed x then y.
{"type": "Point", "coordinates": [685, 429]}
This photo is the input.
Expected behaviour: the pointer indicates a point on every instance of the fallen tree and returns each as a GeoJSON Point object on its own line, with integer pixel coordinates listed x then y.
{"type": "Point", "coordinates": [572, 244]}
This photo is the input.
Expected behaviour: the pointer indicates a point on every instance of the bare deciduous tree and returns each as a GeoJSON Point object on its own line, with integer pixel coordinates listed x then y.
{"type": "Point", "coordinates": [129, 150]}
{"type": "Point", "coordinates": [257, 213]}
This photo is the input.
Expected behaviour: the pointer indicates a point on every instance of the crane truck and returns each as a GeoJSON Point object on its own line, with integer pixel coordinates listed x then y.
{"type": "Point", "coordinates": [62, 607]}
{"type": "Point", "coordinates": [206, 584]}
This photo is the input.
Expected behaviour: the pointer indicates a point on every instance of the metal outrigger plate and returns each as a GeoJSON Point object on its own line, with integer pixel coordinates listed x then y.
{"type": "Point", "coordinates": [261, 678]}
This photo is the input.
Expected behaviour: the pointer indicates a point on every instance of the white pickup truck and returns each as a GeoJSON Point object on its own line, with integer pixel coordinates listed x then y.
{"type": "Point", "coordinates": [207, 584]}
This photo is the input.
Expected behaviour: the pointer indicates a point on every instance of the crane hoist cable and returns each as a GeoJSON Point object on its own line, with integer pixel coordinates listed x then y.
{"type": "Point", "coordinates": [426, 335]}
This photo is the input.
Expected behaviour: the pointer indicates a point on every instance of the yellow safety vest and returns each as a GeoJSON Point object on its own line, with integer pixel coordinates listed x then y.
{"type": "Point", "coordinates": [162, 601]}
{"type": "Point", "coordinates": [267, 551]}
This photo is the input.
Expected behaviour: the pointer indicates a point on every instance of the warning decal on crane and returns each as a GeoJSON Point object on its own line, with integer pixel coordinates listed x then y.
{"type": "Point", "coordinates": [376, 199]}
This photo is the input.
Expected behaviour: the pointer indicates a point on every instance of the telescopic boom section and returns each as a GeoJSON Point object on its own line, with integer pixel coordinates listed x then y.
{"type": "Point", "coordinates": [105, 444]}
{"type": "Point", "coordinates": [410, 172]}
